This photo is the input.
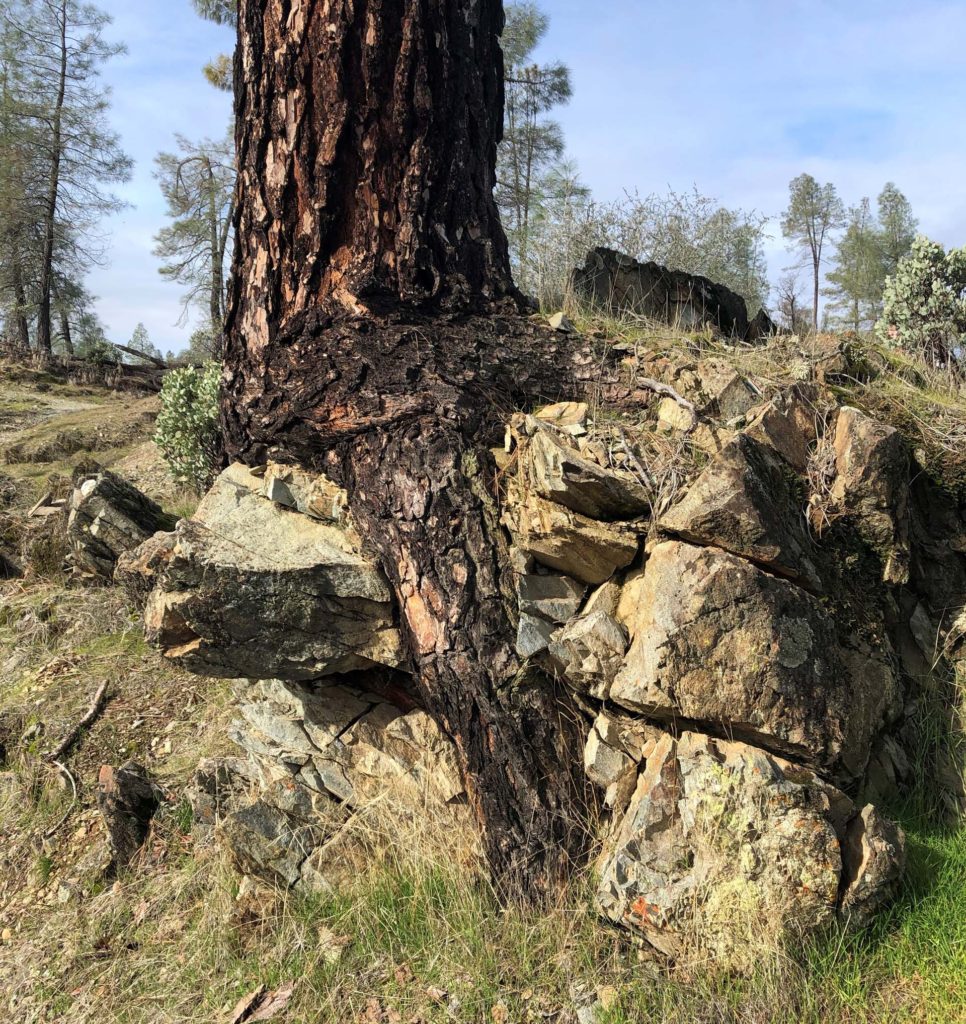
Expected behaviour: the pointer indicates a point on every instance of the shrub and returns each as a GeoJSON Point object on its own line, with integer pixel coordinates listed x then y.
{"type": "Point", "coordinates": [924, 305]}
{"type": "Point", "coordinates": [187, 430]}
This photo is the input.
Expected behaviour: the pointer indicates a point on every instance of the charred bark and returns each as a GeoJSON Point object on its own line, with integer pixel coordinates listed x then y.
{"type": "Point", "coordinates": [365, 338]}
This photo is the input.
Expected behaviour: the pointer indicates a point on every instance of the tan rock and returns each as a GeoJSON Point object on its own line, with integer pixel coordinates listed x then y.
{"type": "Point", "coordinates": [872, 483]}
{"type": "Point", "coordinates": [570, 543]}
{"type": "Point", "coordinates": [745, 503]}
{"type": "Point", "coordinates": [560, 474]}
{"type": "Point", "coordinates": [726, 850]}
{"type": "Point", "coordinates": [715, 639]}
{"type": "Point", "coordinates": [788, 425]}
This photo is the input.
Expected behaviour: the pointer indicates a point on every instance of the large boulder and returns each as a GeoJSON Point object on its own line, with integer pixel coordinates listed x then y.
{"type": "Point", "coordinates": [612, 281]}
{"type": "Point", "coordinates": [109, 517]}
{"type": "Point", "coordinates": [718, 641]}
{"type": "Point", "coordinates": [253, 588]}
{"type": "Point", "coordinates": [726, 849]}
{"type": "Point", "coordinates": [746, 502]}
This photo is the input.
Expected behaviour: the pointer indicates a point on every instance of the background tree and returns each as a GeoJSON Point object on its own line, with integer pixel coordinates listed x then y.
{"type": "Point", "coordinates": [55, 99]}
{"type": "Point", "coordinates": [857, 280]}
{"type": "Point", "coordinates": [814, 211]}
{"type": "Point", "coordinates": [896, 230]}
{"type": "Point", "coordinates": [532, 143]}
{"type": "Point", "coordinates": [218, 71]}
{"type": "Point", "coordinates": [792, 308]}
{"type": "Point", "coordinates": [198, 184]}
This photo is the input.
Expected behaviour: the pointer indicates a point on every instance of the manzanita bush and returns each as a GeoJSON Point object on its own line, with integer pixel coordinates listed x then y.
{"type": "Point", "coordinates": [924, 305]}
{"type": "Point", "coordinates": [187, 426]}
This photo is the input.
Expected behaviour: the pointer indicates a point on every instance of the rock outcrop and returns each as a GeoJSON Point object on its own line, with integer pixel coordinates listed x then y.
{"type": "Point", "coordinates": [252, 587]}
{"type": "Point", "coordinates": [334, 752]}
{"type": "Point", "coordinates": [609, 280]}
{"type": "Point", "coordinates": [109, 517]}
{"type": "Point", "coordinates": [717, 641]}
{"type": "Point", "coordinates": [747, 672]}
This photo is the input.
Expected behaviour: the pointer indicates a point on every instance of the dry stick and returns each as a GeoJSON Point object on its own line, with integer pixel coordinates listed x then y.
{"type": "Point", "coordinates": [97, 705]}
{"type": "Point", "coordinates": [665, 389]}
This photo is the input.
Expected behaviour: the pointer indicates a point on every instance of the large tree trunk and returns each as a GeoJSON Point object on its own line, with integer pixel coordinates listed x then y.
{"type": "Point", "coordinates": [365, 338]}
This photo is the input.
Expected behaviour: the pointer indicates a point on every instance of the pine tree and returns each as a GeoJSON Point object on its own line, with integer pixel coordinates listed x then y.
{"type": "Point", "coordinates": [532, 143]}
{"type": "Point", "coordinates": [856, 282]}
{"type": "Point", "coordinates": [814, 212]}
{"type": "Point", "coordinates": [897, 229]}
{"type": "Point", "coordinates": [198, 183]}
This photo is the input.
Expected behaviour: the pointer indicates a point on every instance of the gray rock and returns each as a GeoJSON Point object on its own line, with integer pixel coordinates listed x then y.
{"type": "Point", "coordinates": [589, 652]}
{"type": "Point", "coordinates": [546, 601]}
{"type": "Point", "coordinates": [251, 589]}
{"type": "Point", "coordinates": [219, 786]}
{"type": "Point", "coordinates": [127, 799]}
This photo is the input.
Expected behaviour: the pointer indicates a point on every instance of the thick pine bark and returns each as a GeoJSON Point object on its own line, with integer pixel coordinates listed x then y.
{"type": "Point", "coordinates": [364, 338]}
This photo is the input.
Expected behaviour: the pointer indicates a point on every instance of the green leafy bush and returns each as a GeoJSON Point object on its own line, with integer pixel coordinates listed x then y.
{"type": "Point", "coordinates": [187, 430]}
{"type": "Point", "coordinates": [924, 305]}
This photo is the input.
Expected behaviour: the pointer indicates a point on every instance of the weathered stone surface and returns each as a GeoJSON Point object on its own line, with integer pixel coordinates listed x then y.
{"type": "Point", "coordinates": [344, 771]}
{"type": "Point", "coordinates": [872, 483]}
{"type": "Point", "coordinates": [138, 571]}
{"type": "Point", "coordinates": [725, 848]}
{"type": "Point", "coordinates": [253, 589]}
{"type": "Point", "coordinates": [108, 517]}
{"type": "Point", "coordinates": [746, 503]}
{"type": "Point", "coordinates": [272, 838]}
{"type": "Point", "coordinates": [874, 856]}
{"type": "Point", "coordinates": [724, 394]}
{"type": "Point", "coordinates": [567, 417]}
{"type": "Point", "coordinates": [616, 747]}
{"type": "Point", "coordinates": [788, 425]}
{"type": "Point", "coordinates": [219, 786]}
{"type": "Point", "coordinates": [572, 544]}
{"type": "Point", "coordinates": [716, 640]}
{"type": "Point", "coordinates": [561, 322]}
{"type": "Point", "coordinates": [546, 601]}
{"type": "Point", "coordinates": [559, 473]}
{"type": "Point", "coordinates": [351, 744]}
{"type": "Point", "coordinates": [127, 799]}
{"type": "Point", "coordinates": [610, 280]}
{"type": "Point", "coordinates": [589, 652]}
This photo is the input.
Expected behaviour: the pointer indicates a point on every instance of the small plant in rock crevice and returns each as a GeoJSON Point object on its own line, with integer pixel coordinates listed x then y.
{"type": "Point", "coordinates": [187, 430]}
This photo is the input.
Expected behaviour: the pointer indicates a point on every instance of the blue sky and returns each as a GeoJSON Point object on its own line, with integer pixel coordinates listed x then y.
{"type": "Point", "coordinates": [734, 98]}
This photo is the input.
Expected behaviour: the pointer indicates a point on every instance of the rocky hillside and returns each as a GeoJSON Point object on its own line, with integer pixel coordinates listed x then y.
{"type": "Point", "coordinates": [748, 585]}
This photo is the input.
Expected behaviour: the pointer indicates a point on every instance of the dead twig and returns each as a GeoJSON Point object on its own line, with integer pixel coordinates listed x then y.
{"type": "Point", "coordinates": [64, 770]}
{"type": "Point", "coordinates": [659, 388]}
{"type": "Point", "coordinates": [97, 706]}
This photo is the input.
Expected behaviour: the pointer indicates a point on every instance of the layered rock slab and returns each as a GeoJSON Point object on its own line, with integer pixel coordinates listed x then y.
{"type": "Point", "coordinates": [108, 518]}
{"type": "Point", "coordinates": [716, 640]}
{"type": "Point", "coordinates": [725, 847]}
{"type": "Point", "coordinates": [250, 588]}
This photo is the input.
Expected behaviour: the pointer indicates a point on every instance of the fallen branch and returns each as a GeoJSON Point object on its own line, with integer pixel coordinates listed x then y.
{"type": "Point", "coordinates": [97, 706]}
{"type": "Point", "coordinates": [159, 363]}
{"type": "Point", "coordinates": [64, 770]}
{"type": "Point", "coordinates": [660, 388]}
